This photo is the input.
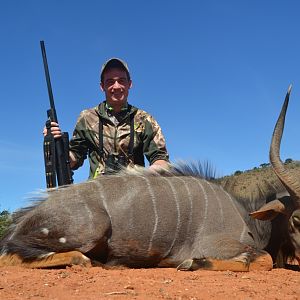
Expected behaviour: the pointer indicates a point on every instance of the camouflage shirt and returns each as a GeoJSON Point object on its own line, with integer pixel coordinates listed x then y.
{"type": "Point", "coordinates": [148, 137]}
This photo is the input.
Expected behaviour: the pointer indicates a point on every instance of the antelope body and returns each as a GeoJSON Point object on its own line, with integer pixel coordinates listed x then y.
{"type": "Point", "coordinates": [138, 221]}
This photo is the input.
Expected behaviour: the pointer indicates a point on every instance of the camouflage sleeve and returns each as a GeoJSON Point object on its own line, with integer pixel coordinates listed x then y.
{"type": "Point", "coordinates": [154, 144]}
{"type": "Point", "coordinates": [78, 143]}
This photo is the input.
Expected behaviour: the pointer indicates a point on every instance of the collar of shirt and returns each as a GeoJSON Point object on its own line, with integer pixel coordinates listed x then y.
{"type": "Point", "coordinates": [116, 117]}
{"type": "Point", "coordinates": [109, 108]}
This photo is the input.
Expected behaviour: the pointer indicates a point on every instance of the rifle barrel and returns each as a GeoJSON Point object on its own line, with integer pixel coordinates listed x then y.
{"type": "Point", "coordinates": [51, 99]}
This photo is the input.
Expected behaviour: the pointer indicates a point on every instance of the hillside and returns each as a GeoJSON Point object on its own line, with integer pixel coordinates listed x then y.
{"type": "Point", "coordinates": [258, 181]}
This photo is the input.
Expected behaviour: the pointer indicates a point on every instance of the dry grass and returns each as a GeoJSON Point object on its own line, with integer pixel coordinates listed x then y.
{"type": "Point", "coordinates": [257, 182]}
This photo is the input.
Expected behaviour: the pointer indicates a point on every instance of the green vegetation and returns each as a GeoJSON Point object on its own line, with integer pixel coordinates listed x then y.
{"type": "Point", "coordinates": [265, 165]}
{"type": "Point", "coordinates": [288, 161]}
{"type": "Point", "coordinates": [238, 173]}
{"type": "Point", "coordinates": [5, 220]}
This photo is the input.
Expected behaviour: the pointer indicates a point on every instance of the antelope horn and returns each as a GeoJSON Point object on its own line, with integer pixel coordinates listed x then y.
{"type": "Point", "coordinates": [290, 182]}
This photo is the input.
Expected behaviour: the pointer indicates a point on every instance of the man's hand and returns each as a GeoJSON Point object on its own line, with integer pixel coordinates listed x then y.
{"type": "Point", "coordinates": [55, 130]}
{"type": "Point", "coordinates": [160, 166]}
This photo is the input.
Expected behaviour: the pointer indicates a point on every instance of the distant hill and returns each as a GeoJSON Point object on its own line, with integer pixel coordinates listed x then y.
{"type": "Point", "coordinates": [258, 181]}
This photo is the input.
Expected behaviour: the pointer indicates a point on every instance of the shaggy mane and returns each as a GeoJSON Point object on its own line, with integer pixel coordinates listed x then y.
{"type": "Point", "coordinates": [198, 169]}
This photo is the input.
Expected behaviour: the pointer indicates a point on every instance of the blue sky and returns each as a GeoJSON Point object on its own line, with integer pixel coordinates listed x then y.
{"type": "Point", "coordinates": [213, 73]}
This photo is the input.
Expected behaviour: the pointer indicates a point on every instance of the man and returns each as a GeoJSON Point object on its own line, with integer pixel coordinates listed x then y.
{"type": "Point", "coordinates": [115, 134]}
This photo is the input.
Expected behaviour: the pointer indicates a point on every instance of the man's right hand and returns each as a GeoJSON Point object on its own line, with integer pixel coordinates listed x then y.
{"type": "Point", "coordinates": [55, 130]}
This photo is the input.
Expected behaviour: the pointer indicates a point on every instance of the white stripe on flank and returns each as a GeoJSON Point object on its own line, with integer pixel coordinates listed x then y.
{"type": "Point", "coordinates": [90, 214]}
{"type": "Point", "coordinates": [60, 200]}
{"type": "Point", "coordinates": [85, 206]}
{"type": "Point", "coordinates": [204, 221]}
{"type": "Point", "coordinates": [153, 199]}
{"type": "Point", "coordinates": [190, 198]}
{"type": "Point", "coordinates": [178, 214]}
{"type": "Point", "coordinates": [102, 197]}
{"type": "Point", "coordinates": [212, 187]}
{"type": "Point", "coordinates": [245, 230]}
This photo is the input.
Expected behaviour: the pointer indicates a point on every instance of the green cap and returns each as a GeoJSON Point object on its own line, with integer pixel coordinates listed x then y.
{"type": "Point", "coordinates": [114, 63]}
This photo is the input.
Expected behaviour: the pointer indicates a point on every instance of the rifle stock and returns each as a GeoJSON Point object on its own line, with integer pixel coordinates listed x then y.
{"type": "Point", "coordinates": [56, 150]}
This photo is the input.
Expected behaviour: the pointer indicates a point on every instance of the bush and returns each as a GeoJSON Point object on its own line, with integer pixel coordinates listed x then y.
{"type": "Point", "coordinates": [5, 221]}
{"type": "Point", "coordinates": [238, 172]}
{"type": "Point", "coordinates": [265, 165]}
{"type": "Point", "coordinates": [288, 161]}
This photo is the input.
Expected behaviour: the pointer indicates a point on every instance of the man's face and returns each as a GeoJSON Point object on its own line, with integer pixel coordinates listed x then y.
{"type": "Point", "coordinates": [116, 87]}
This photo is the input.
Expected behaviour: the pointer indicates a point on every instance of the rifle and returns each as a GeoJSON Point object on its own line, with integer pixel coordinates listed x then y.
{"type": "Point", "coordinates": [56, 150]}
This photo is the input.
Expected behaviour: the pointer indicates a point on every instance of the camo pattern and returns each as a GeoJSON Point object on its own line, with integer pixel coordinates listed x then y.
{"type": "Point", "coordinates": [148, 138]}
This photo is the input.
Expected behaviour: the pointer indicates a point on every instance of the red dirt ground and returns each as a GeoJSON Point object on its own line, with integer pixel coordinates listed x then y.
{"type": "Point", "coordinates": [97, 283]}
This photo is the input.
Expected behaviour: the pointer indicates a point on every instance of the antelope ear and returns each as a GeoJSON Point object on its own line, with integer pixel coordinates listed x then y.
{"type": "Point", "coordinates": [269, 211]}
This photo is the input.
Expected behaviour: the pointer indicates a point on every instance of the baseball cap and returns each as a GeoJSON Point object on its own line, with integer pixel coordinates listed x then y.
{"type": "Point", "coordinates": [114, 63]}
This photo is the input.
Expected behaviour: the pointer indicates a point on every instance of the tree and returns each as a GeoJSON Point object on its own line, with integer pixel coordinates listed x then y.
{"type": "Point", "coordinates": [5, 221]}
{"type": "Point", "coordinates": [238, 172]}
{"type": "Point", "coordinates": [264, 165]}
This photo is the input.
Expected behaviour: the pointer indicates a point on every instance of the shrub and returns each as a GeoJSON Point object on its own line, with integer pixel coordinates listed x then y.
{"type": "Point", "coordinates": [238, 172]}
{"type": "Point", "coordinates": [288, 161]}
{"type": "Point", "coordinates": [5, 221]}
